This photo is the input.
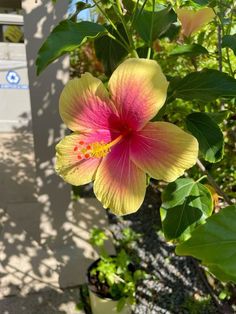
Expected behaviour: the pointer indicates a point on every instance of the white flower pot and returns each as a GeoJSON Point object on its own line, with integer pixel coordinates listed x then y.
{"type": "Point", "coordinates": [106, 306]}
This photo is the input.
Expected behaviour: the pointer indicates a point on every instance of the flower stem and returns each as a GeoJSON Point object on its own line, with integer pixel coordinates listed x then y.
{"type": "Point", "coordinates": [229, 62]}
{"type": "Point", "coordinates": [151, 31]}
{"type": "Point", "coordinates": [149, 52]}
{"type": "Point", "coordinates": [141, 10]}
{"type": "Point", "coordinates": [219, 33]}
{"type": "Point", "coordinates": [207, 285]}
{"type": "Point", "coordinates": [134, 54]}
{"type": "Point", "coordinates": [132, 50]}
{"type": "Point", "coordinates": [112, 24]}
{"type": "Point", "coordinates": [135, 13]}
{"type": "Point", "coordinates": [202, 177]}
{"type": "Point", "coordinates": [119, 7]}
{"type": "Point", "coordinates": [228, 29]}
{"type": "Point", "coordinates": [118, 41]}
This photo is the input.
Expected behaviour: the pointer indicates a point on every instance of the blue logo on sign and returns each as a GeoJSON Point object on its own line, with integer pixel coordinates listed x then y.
{"type": "Point", "coordinates": [12, 77]}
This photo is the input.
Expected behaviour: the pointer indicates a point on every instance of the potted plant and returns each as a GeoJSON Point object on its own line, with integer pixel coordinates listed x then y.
{"type": "Point", "coordinates": [112, 280]}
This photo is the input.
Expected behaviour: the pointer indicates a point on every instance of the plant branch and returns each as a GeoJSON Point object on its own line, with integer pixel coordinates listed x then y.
{"type": "Point", "coordinates": [151, 31]}
{"type": "Point", "coordinates": [118, 41]}
{"type": "Point", "coordinates": [220, 30]}
{"type": "Point", "coordinates": [228, 33]}
{"type": "Point", "coordinates": [213, 183]}
{"type": "Point", "coordinates": [118, 278]}
{"type": "Point", "coordinates": [141, 10]}
{"type": "Point", "coordinates": [128, 33]}
{"type": "Point", "coordinates": [219, 34]}
{"type": "Point", "coordinates": [119, 7]}
{"type": "Point", "coordinates": [207, 285]}
{"type": "Point", "coordinates": [111, 22]}
{"type": "Point", "coordinates": [229, 62]}
{"type": "Point", "coordinates": [135, 13]}
{"type": "Point", "coordinates": [202, 177]}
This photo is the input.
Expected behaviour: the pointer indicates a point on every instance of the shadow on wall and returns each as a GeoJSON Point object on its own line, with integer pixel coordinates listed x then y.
{"type": "Point", "coordinates": [44, 237]}
{"type": "Point", "coordinates": [53, 194]}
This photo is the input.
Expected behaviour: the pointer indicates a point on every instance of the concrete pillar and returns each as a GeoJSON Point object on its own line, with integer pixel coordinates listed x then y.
{"type": "Point", "coordinates": [54, 195]}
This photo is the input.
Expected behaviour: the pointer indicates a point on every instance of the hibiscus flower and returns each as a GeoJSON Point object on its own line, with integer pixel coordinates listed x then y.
{"type": "Point", "coordinates": [193, 21]}
{"type": "Point", "coordinates": [113, 143]}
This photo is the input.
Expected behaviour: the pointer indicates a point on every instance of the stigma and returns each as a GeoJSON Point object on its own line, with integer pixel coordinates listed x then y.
{"type": "Point", "coordinates": [85, 150]}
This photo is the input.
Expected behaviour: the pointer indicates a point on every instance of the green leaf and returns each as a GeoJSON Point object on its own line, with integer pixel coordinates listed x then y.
{"type": "Point", "coordinates": [172, 32]}
{"type": "Point", "coordinates": [223, 295]}
{"type": "Point", "coordinates": [206, 85]}
{"type": "Point", "coordinates": [215, 244]}
{"type": "Point", "coordinates": [97, 237]}
{"type": "Point", "coordinates": [79, 306]}
{"type": "Point", "coordinates": [230, 42]}
{"type": "Point", "coordinates": [139, 274]}
{"type": "Point", "coordinates": [188, 50]}
{"type": "Point", "coordinates": [120, 304]}
{"type": "Point", "coordinates": [162, 20]}
{"type": "Point", "coordinates": [66, 37]}
{"type": "Point", "coordinates": [218, 117]}
{"type": "Point", "coordinates": [185, 204]}
{"type": "Point", "coordinates": [202, 2]}
{"type": "Point", "coordinates": [108, 51]}
{"type": "Point", "coordinates": [123, 259]}
{"type": "Point", "coordinates": [208, 134]}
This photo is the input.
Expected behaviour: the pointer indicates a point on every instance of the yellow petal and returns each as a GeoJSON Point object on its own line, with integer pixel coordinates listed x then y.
{"type": "Point", "coordinates": [119, 184]}
{"type": "Point", "coordinates": [138, 89]}
{"type": "Point", "coordinates": [193, 21]}
{"type": "Point", "coordinates": [69, 167]}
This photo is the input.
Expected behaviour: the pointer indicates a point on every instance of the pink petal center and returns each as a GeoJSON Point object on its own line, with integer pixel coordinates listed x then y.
{"type": "Point", "coordinates": [101, 147]}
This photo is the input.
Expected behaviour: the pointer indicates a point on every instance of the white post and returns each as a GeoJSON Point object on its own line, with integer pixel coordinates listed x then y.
{"type": "Point", "coordinates": [54, 195]}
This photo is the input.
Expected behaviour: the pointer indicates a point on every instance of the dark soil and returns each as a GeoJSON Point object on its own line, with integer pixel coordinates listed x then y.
{"type": "Point", "coordinates": [173, 280]}
{"type": "Point", "coordinates": [101, 289]}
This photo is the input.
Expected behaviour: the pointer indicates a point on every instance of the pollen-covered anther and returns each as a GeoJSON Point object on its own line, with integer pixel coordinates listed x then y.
{"type": "Point", "coordinates": [100, 149]}
{"type": "Point", "coordinates": [95, 150]}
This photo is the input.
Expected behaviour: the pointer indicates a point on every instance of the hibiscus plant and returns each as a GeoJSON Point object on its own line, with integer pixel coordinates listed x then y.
{"type": "Point", "coordinates": [167, 91]}
{"type": "Point", "coordinates": [113, 276]}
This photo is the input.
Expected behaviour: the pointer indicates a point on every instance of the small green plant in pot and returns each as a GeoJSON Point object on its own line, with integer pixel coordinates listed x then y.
{"type": "Point", "coordinates": [112, 280]}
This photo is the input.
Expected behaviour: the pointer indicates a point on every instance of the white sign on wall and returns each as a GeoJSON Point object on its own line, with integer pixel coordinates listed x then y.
{"type": "Point", "coordinates": [13, 81]}
{"type": "Point", "coordinates": [15, 109]}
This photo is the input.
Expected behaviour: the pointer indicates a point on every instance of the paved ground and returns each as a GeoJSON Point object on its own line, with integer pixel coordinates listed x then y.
{"type": "Point", "coordinates": [47, 301]}
{"type": "Point", "coordinates": [42, 248]}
